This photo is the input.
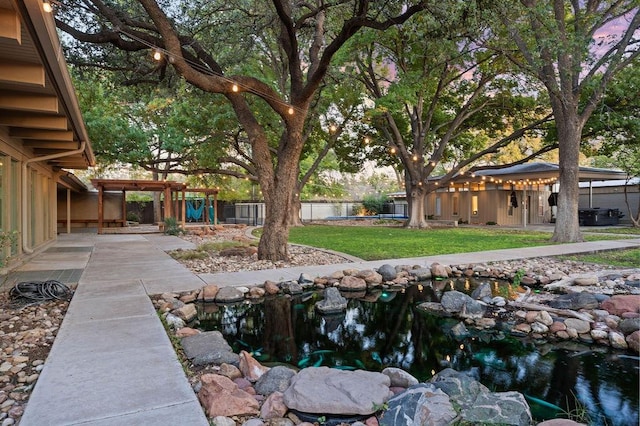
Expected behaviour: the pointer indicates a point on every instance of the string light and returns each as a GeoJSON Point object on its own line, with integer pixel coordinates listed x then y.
{"type": "Point", "coordinates": [234, 87]}
{"type": "Point", "coordinates": [393, 150]}
{"type": "Point", "coordinates": [157, 55]}
{"type": "Point", "coordinates": [205, 70]}
{"type": "Point", "coordinates": [46, 6]}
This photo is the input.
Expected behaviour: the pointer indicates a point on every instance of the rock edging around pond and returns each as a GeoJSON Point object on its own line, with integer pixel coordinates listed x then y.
{"type": "Point", "coordinates": [602, 308]}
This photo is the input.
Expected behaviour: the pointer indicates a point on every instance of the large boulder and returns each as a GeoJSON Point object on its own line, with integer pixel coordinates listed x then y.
{"type": "Point", "coordinates": [629, 325]}
{"type": "Point", "coordinates": [503, 408]}
{"type": "Point", "coordinates": [209, 347]}
{"type": "Point", "coordinates": [619, 304]}
{"type": "Point", "coordinates": [291, 287]}
{"type": "Point", "coordinates": [399, 377]}
{"type": "Point", "coordinates": [333, 301]}
{"type": "Point", "coordinates": [388, 272]}
{"type": "Point", "coordinates": [421, 274]}
{"type": "Point", "coordinates": [229, 295]}
{"type": "Point", "coordinates": [478, 405]}
{"type": "Point", "coordinates": [459, 303]}
{"type": "Point", "coordinates": [250, 367]}
{"type": "Point", "coordinates": [352, 283]}
{"type": "Point", "coordinates": [273, 407]}
{"type": "Point", "coordinates": [575, 301]}
{"type": "Point", "coordinates": [220, 396]}
{"type": "Point", "coordinates": [276, 379]}
{"type": "Point", "coordinates": [422, 404]}
{"type": "Point", "coordinates": [371, 277]}
{"type": "Point", "coordinates": [633, 340]}
{"type": "Point", "coordinates": [325, 390]}
{"type": "Point", "coordinates": [461, 388]}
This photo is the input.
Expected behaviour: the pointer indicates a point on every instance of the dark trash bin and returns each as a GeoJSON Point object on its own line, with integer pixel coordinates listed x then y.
{"type": "Point", "coordinates": [599, 217]}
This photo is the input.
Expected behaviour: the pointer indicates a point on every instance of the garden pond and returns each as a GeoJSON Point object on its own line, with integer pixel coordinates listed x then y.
{"type": "Point", "coordinates": [387, 328]}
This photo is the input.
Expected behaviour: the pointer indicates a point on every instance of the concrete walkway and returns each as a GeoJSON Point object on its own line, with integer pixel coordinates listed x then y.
{"type": "Point", "coordinates": [112, 362]}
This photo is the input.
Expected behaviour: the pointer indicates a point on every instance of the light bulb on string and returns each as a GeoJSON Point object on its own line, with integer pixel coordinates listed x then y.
{"type": "Point", "coordinates": [290, 111]}
{"type": "Point", "coordinates": [46, 6]}
{"type": "Point", "coordinates": [234, 88]}
{"type": "Point", "coordinates": [157, 55]}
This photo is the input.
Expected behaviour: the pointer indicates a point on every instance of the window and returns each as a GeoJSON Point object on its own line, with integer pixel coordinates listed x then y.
{"type": "Point", "coordinates": [474, 205]}
{"type": "Point", "coordinates": [455, 205]}
{"type": "Point", "coordinates": [438, 206]}
{"type": "Point", "coordinates": [540, 205]}
{"type": "Point", "coordinates": [509, 205]}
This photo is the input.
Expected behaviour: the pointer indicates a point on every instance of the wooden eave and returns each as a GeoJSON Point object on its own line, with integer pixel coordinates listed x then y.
{"type": "Point", "coordinates": [137, 185]}
{"type": "Point", "coordinates": [38, 105]}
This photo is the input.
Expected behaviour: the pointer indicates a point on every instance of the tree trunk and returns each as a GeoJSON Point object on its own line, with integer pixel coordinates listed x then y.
{"type": "Point", "coordinates": [635, 220]}
{"type": "Point", "coordinates": [157, 207]}
{"type": "Point", "coordinates": [567, 228]}
{"type": "Point", "coordinates": [295, 218]}
{"type": "Point", "coordinates": [279, 197]}
{"type": "Point", "coordinates": [416, 208]}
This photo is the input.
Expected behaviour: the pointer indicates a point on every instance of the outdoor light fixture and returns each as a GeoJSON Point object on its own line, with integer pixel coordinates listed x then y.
{"type": "Point", "coordinates": [46, 6]}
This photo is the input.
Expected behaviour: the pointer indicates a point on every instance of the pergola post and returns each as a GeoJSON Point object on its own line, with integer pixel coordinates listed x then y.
{"type": "Point", "coordinates": [100, 208]}
{"type": "Point", "coordinates": [124, 207]}
{"type": "Point", "coordinates": [215, 208]}
{"type": "Point", "coordinates": [167, 201]}
{"type": "Point", "coordinates": [184, 205]}
{"type": "Point", "coordinates": [207, 206]}
{"type": "Point", "coordinates": [68, 210]}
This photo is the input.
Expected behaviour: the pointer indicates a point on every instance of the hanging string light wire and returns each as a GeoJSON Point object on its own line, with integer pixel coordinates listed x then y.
{"type": "Point", "coordinates": [205, 70]}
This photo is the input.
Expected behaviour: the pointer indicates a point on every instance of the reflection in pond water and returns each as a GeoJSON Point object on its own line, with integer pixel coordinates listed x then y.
{"type": "Point", "coordinates": [384, 328]}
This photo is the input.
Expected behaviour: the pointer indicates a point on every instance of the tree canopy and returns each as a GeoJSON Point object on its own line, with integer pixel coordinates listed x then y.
{"type": "Point", "coordinates": [219, 47]}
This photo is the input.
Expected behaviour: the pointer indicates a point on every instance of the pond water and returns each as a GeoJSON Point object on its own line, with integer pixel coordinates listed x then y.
{"type": "Point", "coordinates": [385, 328]}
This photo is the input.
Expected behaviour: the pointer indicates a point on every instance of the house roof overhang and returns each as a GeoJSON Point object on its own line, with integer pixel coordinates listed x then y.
{"type": "Point", "coordinates": [38, 105]}
{"type": "Point", "coordinates": [542, 171]}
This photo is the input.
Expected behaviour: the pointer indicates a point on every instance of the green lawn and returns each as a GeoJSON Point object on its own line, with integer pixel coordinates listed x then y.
{"type": "Point", "coordinates": [377, 242]}
{"type": "Point", "coordinates": [623, 258]}
{"type": "Point", "coordinates": [625, 231]}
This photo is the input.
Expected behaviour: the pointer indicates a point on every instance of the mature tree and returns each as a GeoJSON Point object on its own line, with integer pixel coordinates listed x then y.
{"type": "Point", "coordinates": [569, 47]}
{"type": "Point", "coordinates": [612, 134]}
{"type": "Point", "coordinates": [192, 35]}
{"type": "Point", "coordinates": [441, 101]}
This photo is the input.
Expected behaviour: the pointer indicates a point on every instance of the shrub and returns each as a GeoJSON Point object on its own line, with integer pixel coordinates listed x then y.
{"type": "Point", "coordinates": [133, 217]}
{"type": "Point", "coordinates": [374, 203]}
{"type": "Point", "coordinates": [171, 226]}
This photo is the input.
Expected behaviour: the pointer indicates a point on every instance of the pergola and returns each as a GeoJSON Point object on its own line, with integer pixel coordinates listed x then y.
{"type": "Point", "coordinates": [171, 190]}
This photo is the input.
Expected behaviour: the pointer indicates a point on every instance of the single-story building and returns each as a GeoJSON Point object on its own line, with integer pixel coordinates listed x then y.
{"type": "Point", "coordinates": [519, 195]}
{"type": "Point", "coordinates": [610, 194]}
{"type": "Point", "coordinates": [42, 133]}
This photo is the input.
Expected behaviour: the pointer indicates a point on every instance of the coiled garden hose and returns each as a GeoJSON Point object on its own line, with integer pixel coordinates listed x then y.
{"type": "Point", "coordinates": [40, 291]}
